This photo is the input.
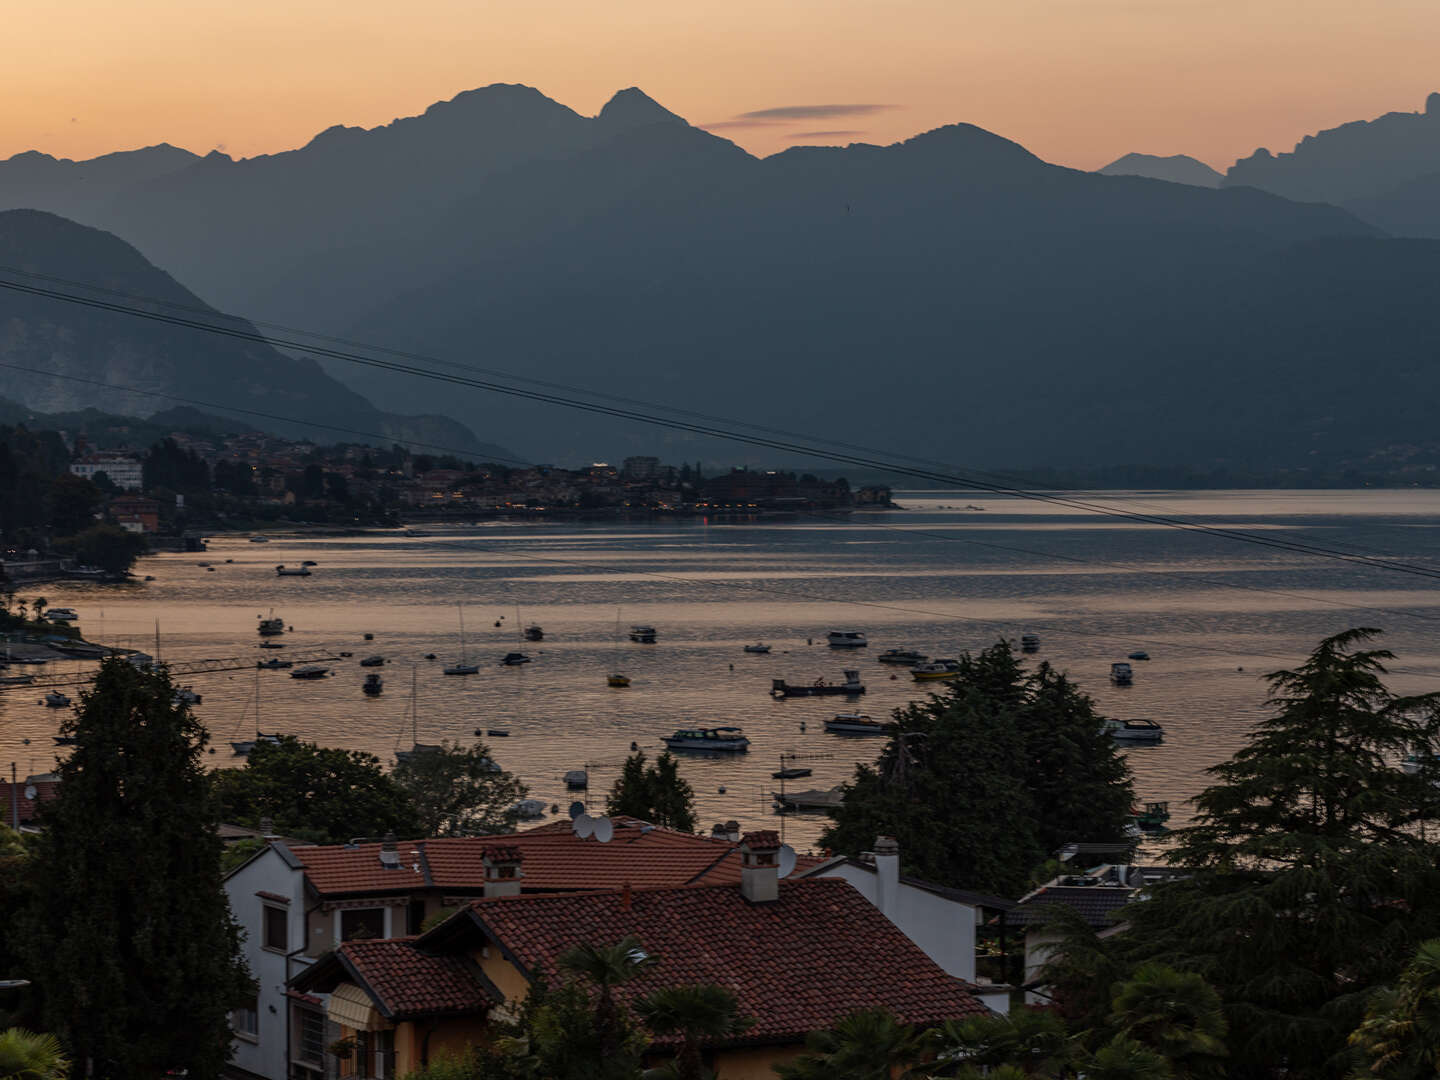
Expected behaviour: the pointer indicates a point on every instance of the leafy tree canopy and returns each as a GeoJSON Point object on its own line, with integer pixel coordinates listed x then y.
{"type": "Point", "coordinates": [108, 547]}
{"type": "Point", "coordinates": [316, 792]}
{"type": "Point", "coordinates": [459, 791]}
{"type": "Point", "coordinates": [657, 794]}
{"type": "Point", "coordinates": [982, 781]}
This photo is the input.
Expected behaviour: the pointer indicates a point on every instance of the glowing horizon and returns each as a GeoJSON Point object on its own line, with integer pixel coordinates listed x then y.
{"type": "Point", "coordinates": [1078, 86]}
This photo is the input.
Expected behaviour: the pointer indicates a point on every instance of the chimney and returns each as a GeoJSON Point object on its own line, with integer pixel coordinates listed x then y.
{"type": "Point", "coordinates": [389, 853]}
{"type": "Point", "coordinates": [502, 870]}
{"type": "Point", "coordinates": [267, 828]}
{"type": "Point", "coordinates": [759, 866]}
{"type": "Point", "coordinates": [732, 831]}
{"type": "Point", "coordinates": [887, 875]}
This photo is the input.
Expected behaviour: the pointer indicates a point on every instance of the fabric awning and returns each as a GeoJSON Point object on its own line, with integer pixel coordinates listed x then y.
{"type": "Point", "coordinates": [352, 1007]}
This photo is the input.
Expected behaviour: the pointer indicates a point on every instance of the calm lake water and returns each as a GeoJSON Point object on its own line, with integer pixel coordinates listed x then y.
{"type": "Point", "coordinates": [1215, 615]}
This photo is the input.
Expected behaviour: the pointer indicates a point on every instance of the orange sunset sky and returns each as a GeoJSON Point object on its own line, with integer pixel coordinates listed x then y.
{"type": "Point", "coordinates": [1078, 82]}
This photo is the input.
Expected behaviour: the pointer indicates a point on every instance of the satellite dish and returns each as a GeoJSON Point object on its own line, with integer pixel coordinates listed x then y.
{"type": "Point", "coordinates": [30, 792]}
{"type": "Point", "coordinates": [604, 830]}
{"type": "Point", "coordinates": [787, 860]}
{"type": "Point", "coordinates": [576, 809]}
{"type": "Point", "coordinates": [584, 826]}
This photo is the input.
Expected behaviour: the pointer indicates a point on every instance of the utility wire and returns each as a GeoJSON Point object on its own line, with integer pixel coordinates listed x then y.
{"type": "Point", "coordinates": [852, 458]}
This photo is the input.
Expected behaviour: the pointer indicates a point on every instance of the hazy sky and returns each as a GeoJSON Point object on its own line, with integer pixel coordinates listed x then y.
{"type": "Point", "coordinates": [1078, 82]}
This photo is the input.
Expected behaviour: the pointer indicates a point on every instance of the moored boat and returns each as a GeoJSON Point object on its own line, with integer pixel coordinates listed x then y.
{"type": "Point", "coordinates": [186, 696]}
{"type": "Point", "coordinates": [243, 747]}
{"type": "Point", "coordinates": [616, 679]}
{"type": "Point", "coordinates": [1152, 819]}
{"type": "Point", "coordinates": [374, 684]}
{"type": "Point", "coordinates": [759, 648]}
{"type": "Point", "coordinates": [779, 688]}
{"type": "Point", "coordinates": [56, 700]}
{"type": "Point", "coordinates": [1121, 673]}
{"type": "Point", "coordinates": [1134, 731]}
{"type": "Point", "coordinates": [271, 627]}
{"type": "Point", "coordinates": [310, 671]}
{"type": "Point", "coordinates": [274, 664]}
{"type": "Point", "coordinates": [577, 780]}
{"type": "Point", "coordinates": [292, 571]}
{"type": "Point", "coordinates": [1029, 642]}
{"type": "Point", "coordinates": [644, 635]}
{"type": "Point", "coordinates": [730, 739]}
{"type": "Point", "coordinates": [791, 772]}
{"type": "Point", "coordinates": [60, 614]}
{"type": "Point", "coordinates": [854, 724]}
{"type": "Point", "coordinates": [935, 669]}
{"type": "Point", "coordinates": [533, 633]}
{"type": "Point", "coordinates": [1139, 654]}
{"type": "Point", "coordinates": [846, 639]}
{"type": "Point", "coordinates": [515, 659]}
{"type": "Point", "coordinates": [529, 809]}
{"type": "Point", "coordinates": [907, 657]}
{"type": "Point", "coordinates": [373, 661]}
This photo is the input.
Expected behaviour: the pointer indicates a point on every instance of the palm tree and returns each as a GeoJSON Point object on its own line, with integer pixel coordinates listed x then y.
{"type": "Point", "coordinates": [607, 967]}
{"type": "Point", "coordinates": [1400, 1036]}
{"type": "Point", "coordinates": [25, 1055]}
{"type": "Point", "coordinates": [702, 1011]}
{"type": "Point", "coordinates": [1126, 1059]}
{"type": "Point", "coordinates": [869, 1044]}
{"type": "Point", "coordinates": [1032, 1041]}
{"type": "Point", "coordinates": [1178, 1014]}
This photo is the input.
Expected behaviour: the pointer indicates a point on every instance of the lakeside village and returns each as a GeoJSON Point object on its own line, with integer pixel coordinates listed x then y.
{"type": "Point", "coordinates": [64, 505]}
{"type": "Point", "coordinates": [982, 904]}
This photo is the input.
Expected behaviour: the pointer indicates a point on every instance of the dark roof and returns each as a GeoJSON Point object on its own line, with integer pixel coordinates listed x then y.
{"type": "Point", "coordinates": [1095, 903]}
{"type": "Point", "coordinates": [802, 962]}
{"type": "Point", "coordinates": [404, 981]}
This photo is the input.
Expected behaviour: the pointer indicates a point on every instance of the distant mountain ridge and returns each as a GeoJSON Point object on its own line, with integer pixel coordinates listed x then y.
{"type": "Point", "coordinates": [950, 296]}
{"type": "Point", "coordinates": [1177, 168]}
{"type": "Point", "coordinates": [74, 357]}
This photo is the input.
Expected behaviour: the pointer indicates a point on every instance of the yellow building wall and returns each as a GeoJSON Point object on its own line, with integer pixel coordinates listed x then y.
{"type": "Point", "coordinates": [503, 974]}
{"type": "Point", "coordinates": [753, 1062]}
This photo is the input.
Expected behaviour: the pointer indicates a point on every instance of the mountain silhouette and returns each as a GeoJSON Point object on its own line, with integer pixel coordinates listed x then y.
{"type": "Point", "coordinates": [63, 358]}
{"type": "Point", "coordinates": [951, 296]}
{"type": "Point", "coordinates": [1177, 168]}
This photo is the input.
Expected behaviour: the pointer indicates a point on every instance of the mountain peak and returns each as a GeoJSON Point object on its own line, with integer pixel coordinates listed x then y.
{"type": "Point", "coordinates": [632, 107]}
{"type": "Point", "coordinates": [1176, 168]}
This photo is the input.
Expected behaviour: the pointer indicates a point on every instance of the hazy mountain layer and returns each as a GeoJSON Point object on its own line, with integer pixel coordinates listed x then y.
{"type": "Point", "coordinates": [1177, 168]}
{"type": "Point", "coordinates": [62, 356]}
{"type": "Point", "coordinates": [950, 296]}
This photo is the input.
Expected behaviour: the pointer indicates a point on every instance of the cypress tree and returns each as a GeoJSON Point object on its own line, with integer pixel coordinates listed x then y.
{"type": "Point", "coordinates": [133, 948]}
{"type": "Point", "coordinates": [1313, 871]}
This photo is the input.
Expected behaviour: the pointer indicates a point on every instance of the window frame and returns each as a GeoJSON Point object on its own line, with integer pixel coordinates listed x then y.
{"type": "Point", "coordinates": [379, 910]}
{"type": "Point", "coordinates": [251, 1012]}
{"type": "Point", "coordinates": [266, 910]}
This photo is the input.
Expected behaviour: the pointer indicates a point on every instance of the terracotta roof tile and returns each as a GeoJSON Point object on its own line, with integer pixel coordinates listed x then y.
{"type": "Point", "coordinates": [45, 790]}
{"type": "Point", "coordinates": [761, 840]}
{"type": "Point", "coordinates": [802, 962]}
{"type": "Point", "coordinates": [407, 982]}
{"type": "Point", "coordinates": [553, 859]}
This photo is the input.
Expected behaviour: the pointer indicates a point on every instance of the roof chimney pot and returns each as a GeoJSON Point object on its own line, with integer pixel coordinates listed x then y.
{"type": "Point", "coordinates": [503, 872]}
{"type": "Point", "coordinates": [760, 866]}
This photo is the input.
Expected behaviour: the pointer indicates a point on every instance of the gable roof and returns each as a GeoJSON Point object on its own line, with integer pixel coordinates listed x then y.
{"type": "Point", "coordinates": [801, 962]}
{"type": "Point", "coordinates": [1096, 904]}
{"type": "Point", "coordinates": [403, 981]}
{"type": "Point", "coordinates": [553, 859]}
{"type": "Point", "coordinates": [968, 897]}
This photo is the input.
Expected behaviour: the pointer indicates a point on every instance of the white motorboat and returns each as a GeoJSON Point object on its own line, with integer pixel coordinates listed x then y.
{"type": "Point", "coordinates": [854, 724]}
{"type": "Point", "coordinates": [759, 648]}
{"type": "Point", "coordinates": [61, 614]}
{"type": "Point", "coordinates": [644, 635]}
{"type": "Point", "coordinates": [56, 700]}
{"type": "Point", "coordinates": [1134, 731]}
{"type": "Point", "coordinates": [846, 639]}
{"type": "Point", "coordinates": [243, 747]}
{"type": "Point", "coordinates": [907, 657]}
{"type": "Point", "coordinates": [310, 671]}
{"type": "Point", "coordinates": [730, 739]}
{"type": "Point", "coordinates": [1121, 673]}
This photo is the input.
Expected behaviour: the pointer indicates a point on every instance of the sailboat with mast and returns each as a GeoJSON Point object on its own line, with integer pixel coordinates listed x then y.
{"type": "Point", "coordinates": [416, 746]}
{"type": "Point", "coordinates": [615, 678]}
{"type": "Point", "coordinates": [463, 667]}
{"type": "Point", "coordinates": [243, 747]}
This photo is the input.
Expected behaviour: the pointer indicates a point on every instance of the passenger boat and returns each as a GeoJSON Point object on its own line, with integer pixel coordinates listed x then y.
{"type": "Point", "coordinates": [274, 664]}
{"type": "Point", "coordinates": [56, 700]}
{"type": "Point", "coordinates": [292, 571]}
{"type": "Point", "coordinates": [61, 614]}
{"type": "Point", "coordinates": [854, 724]}
{"type": "Point", "coordinates": [515, 659]}
{"type": "Point", "coordinates": [271, 627]}
{"type": "Point", "coordinates": [373, 686]}
{"type": "Point", "coordinates": [1121, 674]}
{"type": "Point", "coordinates": [644, 635]}
{"type": "Point", "coordinates": [759, 648]}
{"type": "Point", "coordinates": [721, 738]}
{"type": "Point", "coordinates": [617, 679]}
{"type": "Point", "coordinates": [1134, 731]}
{"type": "Point", "coordinates": [533, 633]}
{"type": "Point", "coordinates": [373, 661]}
{"type": "Point", "coordinates": [846, 639]}
{"type": "Point", "coordinates": [935, 669]}
{"type": "Point", "coordinates": [310, 671]}
{"type": "Point", "coordinates": [1029, 642]}
{"type": "Point", "coordinates": [907, 657]}
{"type": "Point", "coordinates": [577, 780]}
{"type": "Point", "coordinates": [779, 688]}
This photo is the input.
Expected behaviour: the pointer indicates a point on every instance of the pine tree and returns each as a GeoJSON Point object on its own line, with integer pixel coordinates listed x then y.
{"type": "Point", "coordinates": [981, 782]}
{"type": "Point", "coordinates": [1311, 878]}
{"type": "Point", "coordinates": [657, 794]}
{"type": "Point", "coordinates": [132, 946]}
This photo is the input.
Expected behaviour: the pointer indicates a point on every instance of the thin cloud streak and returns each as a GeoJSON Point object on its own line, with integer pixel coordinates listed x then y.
{"type": "Point", "coordinates": [723, 124]}
{"type": "Point", "coordinates": [813, 112]}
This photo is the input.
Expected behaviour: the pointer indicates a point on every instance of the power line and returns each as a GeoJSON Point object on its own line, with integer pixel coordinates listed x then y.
{"type": "Point", "coordinates": [847, 457]}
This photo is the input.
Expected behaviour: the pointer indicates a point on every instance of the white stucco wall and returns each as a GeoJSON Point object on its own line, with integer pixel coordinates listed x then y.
{"type": "Point", "coordinates": [943, 929]}
{"type": "Point", "coordinates": [268, 872]}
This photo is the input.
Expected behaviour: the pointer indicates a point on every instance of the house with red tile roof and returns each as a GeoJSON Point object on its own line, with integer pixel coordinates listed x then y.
{"type": "Point", "coordinates": [20, 802]}
{"type": "Point", "coordinates": [296, 903]}
{"type": "Point", "coordinates": [798, 954]}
